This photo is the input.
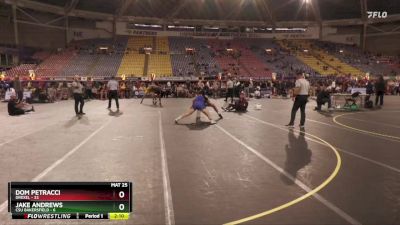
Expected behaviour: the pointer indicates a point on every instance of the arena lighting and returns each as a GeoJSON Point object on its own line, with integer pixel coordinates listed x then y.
{"type": "Point", "coordinates": [307, 1]}
{"type": "Point", "coordinates": [181, 27]}
{"type": "Point", "coordinates": [148, 25]}
{"type": "Point", "coordinates": [211, 28]}
{"type": "Point", "coordinates": [289, 29]}
{"type": "Point", "coordinates": [341, 51]}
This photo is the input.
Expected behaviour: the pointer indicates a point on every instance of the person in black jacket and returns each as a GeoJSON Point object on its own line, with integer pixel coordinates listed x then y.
{"type": "Point", "coordinates": [16, 108]}
{"type": "Point", "coordinates": [323, 96]}
{"type": "Point", "coordinates": [380, 88]}
{"type": "Point", "coordinates": [369, 90]}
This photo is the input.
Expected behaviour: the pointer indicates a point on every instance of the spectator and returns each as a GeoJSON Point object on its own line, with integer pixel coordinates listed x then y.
{"type": "Point", "coordinates": [323, 97]}
{"type": "Point", "coordinates": [18, 88]}
{"type": "Point", "coordinates": [16, 108]}
{"type": "Point", "coordinates": [77, 89]}
{"type": "Point", "coordinates": [380, 88]}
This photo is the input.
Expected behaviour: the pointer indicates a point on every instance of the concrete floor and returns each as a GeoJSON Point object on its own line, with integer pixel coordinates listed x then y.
{"type": "Point", "coordinates": [214, 174]}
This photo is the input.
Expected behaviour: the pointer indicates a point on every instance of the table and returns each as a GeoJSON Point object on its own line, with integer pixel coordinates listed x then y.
{"type": "Point", "coordinates": [345, 96]}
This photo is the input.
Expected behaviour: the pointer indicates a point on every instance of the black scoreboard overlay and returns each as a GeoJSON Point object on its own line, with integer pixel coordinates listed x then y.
{"type": "Point", "coordinates": [70, 200]}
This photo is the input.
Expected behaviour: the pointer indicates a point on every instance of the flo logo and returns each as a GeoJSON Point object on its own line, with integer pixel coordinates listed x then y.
{"type": "Point", "coordinates": [377, 14]}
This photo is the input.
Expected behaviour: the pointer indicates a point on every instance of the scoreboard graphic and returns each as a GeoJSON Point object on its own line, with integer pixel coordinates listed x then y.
{"type": "Point", "coordinates": [70, 200]}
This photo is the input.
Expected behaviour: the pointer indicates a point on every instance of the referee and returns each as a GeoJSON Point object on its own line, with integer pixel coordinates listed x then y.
{"type": "Point", "coordinates": [112, 86]}
{"type": "Point", "coordinates": [77, 90]}
{"type": "Point", "coordinates": [300, 94]}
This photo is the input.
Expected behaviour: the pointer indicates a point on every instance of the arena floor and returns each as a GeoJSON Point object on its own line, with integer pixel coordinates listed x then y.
{"type": "Point", "coordinates": [342, 170]}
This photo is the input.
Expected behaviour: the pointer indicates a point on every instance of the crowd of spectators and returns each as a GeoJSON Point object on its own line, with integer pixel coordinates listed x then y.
{"type": "Point", "coordinates": [51, 91]}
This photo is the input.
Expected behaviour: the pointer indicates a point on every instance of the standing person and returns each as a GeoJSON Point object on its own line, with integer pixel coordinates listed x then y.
{"type": "Point", "coordinates": [369, 90]}
{"type": "Point", "coordinates": [380, 88]}
{"type": "Point", "coordinates": [89, 93]}
{"type": "Point", "coordinates": [103, 92]}
{"type": "Point", "coordinates": [112, 87]}
{"type": "Point", "coordinates": [229, 89]}
{"type": "Point", "coordinates": [300, 97]}
{"type": "Point", "coordinates": [77, 90]}
{"type": "Point", "coordinates": [237, 88]}
{"type": "Point", "coordinates": [18, 88]}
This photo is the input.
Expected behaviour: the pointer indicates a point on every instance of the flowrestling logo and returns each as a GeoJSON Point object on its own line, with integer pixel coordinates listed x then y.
{"type": "Point", "coordinates": [377, 14]}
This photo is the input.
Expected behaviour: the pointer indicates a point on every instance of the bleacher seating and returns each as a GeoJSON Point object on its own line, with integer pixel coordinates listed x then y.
{"type": "Point", "coordinates": [80, 65]}
{"type": "Point", "coordinates": [334, 62]}
{"type": "Point", "coordinates": [162, 44]}
{"type": "Point", "coordinates": [41, 55]}
{"type": "Point", "coordinates": [54, 64]}
{"type": "Point", "coordinates": [253, 65]}
{"type": "Point", "coordinates": [160, 60]}
{"type": "Point", "coordinates": [278, 59]}
{"type": "Point", "coordinates": [160, 65]}
{"type": "Point", "coordinates": [298, 47]}
{"type": "Point", "coordinates": [182, 65]}
{"type": "Point", "coordinates": [201, 60]}
{"type": "Point", "coordinates": [354, 56]}
{"type": "Point", "coordinates": [136, 43]}
{"type": "Point", "coordinates": [21, 70]}
{"type": "Point", "coordinates": [169, 57]}
{"type": "Point", "coordinates": [132, 63]}
{"type": "Point", "coordinates": [227, 62]}
{"type": "Point", "coordinates": [108, 64]}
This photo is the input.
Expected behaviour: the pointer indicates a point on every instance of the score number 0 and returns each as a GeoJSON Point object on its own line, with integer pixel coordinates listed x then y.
{"type": "Point", "coordinates": [121, 195]}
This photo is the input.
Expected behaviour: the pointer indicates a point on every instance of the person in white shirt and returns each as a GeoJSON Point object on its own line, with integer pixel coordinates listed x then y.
{"type": "Point", "coordinates": [229, 90]}
{"type": "Point", "coordinates": [302, 88]}
{"type": "Point", "coordinates": [112, 87]}
{"type": "Point", "coordinates": [77, 90]}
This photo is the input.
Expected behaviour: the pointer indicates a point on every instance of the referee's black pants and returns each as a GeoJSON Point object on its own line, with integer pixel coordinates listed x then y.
{"type": "Point", "coordinates": [229, 94]}
{"type": "Point", "coordinates": [79, 103]}
{"type": "Point", "coordinates": [299, 103]}
{"type": "Point", "coordinates": [113, 95]}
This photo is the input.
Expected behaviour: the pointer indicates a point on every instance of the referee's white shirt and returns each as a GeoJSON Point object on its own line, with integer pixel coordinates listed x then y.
{"type": "Point", "coordinates": [304, 86]}
{"type": "Point", "coordinates": [112, 85]}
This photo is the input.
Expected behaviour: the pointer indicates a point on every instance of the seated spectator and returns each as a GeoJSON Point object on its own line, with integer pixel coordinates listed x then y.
{"type": "Point", "coordinates": [239, 105]}
{"type": "Point", "coordinates": [94, 92]}
{"type": "Point", "coordinates": [52, 94]}
{"type": "Point", "coordinates": [16, 108]}
{"type": "Point", "coordinates": [103, 92]}
{"type": "Point", "coordinates": [257, 93]}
